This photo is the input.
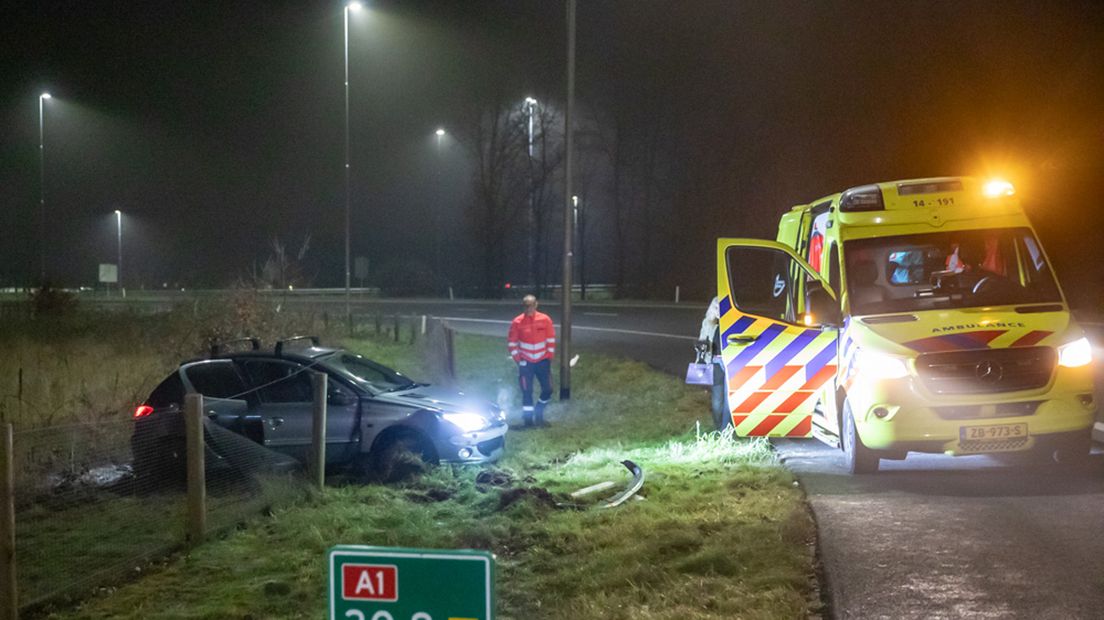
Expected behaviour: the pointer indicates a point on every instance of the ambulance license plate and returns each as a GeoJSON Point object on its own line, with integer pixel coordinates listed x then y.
{"type": "Point", "coordinates": [992, 432]}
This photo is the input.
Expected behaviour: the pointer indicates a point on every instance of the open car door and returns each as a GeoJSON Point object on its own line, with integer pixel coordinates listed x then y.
{"type": "Point", "coordinates": [777, 354]}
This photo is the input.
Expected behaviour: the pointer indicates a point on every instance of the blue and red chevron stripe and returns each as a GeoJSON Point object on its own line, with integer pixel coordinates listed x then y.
{"type": "Point", "coordinates": [775, 373]}
{"type": "Point", "coordinates": [979, 339]}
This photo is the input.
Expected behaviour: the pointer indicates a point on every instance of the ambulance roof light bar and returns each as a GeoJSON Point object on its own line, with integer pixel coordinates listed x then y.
{"type": "Point", "coordinates": [996, 188]}
{"type": "Point", "coordinates": [863, 198]}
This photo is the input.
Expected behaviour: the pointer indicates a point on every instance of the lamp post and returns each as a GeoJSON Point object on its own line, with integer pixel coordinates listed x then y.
{"type": "Point", "coordinates": [350, 7]}
{"type": "Point", "coordinates": [568, 260]}
{"type": "Point", "coordinates": [119, 249]}
{"type": "Point", "coordinates": [42, 187]}
{"type": "Point", "coordinates": [439, 213]}
{"type": "Point", "coordinates": [531, 215]}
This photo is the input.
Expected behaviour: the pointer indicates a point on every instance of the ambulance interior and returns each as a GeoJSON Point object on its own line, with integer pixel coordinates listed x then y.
{"type": "Point", "coordinates": [941, 270]}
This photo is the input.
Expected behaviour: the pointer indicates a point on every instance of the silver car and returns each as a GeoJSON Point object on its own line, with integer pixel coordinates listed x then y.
{"type": "Point", "coordinates": [374, 413]}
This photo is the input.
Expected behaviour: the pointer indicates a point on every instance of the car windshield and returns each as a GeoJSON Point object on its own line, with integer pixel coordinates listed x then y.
{"type": "Point", "coordinates": [368, 374]}
{"type": "Point", "coordinates": [955, 269]}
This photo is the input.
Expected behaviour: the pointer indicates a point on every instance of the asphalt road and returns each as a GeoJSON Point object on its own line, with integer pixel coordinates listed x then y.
{"type": "Point", "coordinates": [662, 336]}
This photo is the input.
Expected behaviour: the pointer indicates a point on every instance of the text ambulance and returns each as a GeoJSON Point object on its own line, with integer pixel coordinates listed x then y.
{"type": "Point", "coordinates": [918, 315]}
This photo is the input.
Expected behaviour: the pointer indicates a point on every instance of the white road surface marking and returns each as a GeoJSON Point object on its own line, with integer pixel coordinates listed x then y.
{"type": "Point", "coordinates": [631, 332]}
{"type": "Point", "coordinates": [600, 313]}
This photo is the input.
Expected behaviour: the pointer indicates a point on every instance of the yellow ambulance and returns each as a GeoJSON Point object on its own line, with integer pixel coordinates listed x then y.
{"type": "Point", "coordinates": [909, 316]}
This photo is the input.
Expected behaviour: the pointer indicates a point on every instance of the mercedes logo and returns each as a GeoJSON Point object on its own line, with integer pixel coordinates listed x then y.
{"type": "Point", "coordinates": [988, 371]}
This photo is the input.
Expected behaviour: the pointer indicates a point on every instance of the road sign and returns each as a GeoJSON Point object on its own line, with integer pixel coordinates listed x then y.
{"type": "Point", "coordinates": [386, 583]}
{"type": "Point", "coordinates": [109, 273]}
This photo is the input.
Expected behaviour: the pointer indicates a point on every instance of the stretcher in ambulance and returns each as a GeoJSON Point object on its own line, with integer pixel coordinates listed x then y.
{"type": "Point", "coordinates": [908, 316]}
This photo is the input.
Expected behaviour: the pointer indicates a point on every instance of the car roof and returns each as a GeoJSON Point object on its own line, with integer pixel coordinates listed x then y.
{"type": "Point", "coordinates": [305, 355]}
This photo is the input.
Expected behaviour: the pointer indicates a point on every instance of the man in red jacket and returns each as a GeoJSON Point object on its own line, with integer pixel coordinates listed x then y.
{"type": "Point", "coordinates": [532, 344]}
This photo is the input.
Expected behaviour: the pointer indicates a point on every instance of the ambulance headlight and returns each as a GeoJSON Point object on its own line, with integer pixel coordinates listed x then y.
{"type": "Point", "coordinates": [467, 422]}
{"type": "Point", "coordinates": [879, 365]}
{"type": "Point", "coordinates": [1075, 354]}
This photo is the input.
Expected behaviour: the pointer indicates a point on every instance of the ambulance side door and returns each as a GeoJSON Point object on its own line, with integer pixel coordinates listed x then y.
{"type": "Point", "coordinates": [776, 355]}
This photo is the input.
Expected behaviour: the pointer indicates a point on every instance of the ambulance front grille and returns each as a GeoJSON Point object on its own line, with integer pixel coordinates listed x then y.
{"type": "Point", "coordinates": [997, 410]}
{"type": "Point", "coordinates": [986, 371]}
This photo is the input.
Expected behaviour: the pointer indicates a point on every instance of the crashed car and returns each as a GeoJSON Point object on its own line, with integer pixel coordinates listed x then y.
{"type": "Point", "coordinates": [374, 413]}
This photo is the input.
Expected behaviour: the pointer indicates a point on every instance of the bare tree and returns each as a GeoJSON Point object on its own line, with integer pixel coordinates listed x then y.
{"type": "Point", "coordinates": [282, 269]}
{"type": "Point", "coordinates": [497, 142]}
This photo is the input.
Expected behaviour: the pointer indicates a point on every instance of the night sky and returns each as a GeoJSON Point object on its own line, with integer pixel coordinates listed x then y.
{"type": "Point", "coordinates": [217, 126]}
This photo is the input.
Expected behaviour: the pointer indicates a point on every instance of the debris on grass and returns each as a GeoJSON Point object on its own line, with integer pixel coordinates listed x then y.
{"type": "Point", "coordinates": [594, 488]}
{"type": "Point", "coordinates": [539, 496]}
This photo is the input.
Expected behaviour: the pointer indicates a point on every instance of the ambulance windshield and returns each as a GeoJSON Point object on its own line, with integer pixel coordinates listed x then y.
{"type": "Point", "coordinates": [956, 269]}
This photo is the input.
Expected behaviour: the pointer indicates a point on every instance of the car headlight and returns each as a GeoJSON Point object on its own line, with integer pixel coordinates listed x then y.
{"type": "Point", "coordinates": [1076, 353]}
{"type": "Point", "coordinates": [467, 422]}
{"type": "Point", "coordinates": [879, 365]}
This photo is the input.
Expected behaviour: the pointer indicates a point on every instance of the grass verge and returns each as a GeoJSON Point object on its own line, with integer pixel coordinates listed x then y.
{"type": "Point", "coordinates": [720, 531]}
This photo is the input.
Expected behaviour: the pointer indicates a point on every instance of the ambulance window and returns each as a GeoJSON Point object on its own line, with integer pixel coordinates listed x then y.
{"type": "Point", "coordinates": [762, 282]}
{"type": "Point", "coordinates": [834, 268]}
{"type": "Point", "coordinates": [907, 266]}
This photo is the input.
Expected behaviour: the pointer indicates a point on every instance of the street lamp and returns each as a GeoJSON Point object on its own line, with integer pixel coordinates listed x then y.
{"type": "Point", "coordinates": [352, 7]}
{"type": "Point", "coordinates": [42, 187]}
{"type": "Point", "coordinates": [119, 247]}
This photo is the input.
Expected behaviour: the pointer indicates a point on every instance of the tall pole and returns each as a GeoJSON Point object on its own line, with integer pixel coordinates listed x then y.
{"type": "Point", "coordinates": [531, 213]}
{"type": "Point", "coordinates": [439, 211]}
{"type": "Point", "coordinates": [568, 262]}
{"type": "Point", "coordinates": [42, 189]}
{"type": "Point", "coordinates": [119, 248]}
{"type": "Point", "coordinates": [348, 308]}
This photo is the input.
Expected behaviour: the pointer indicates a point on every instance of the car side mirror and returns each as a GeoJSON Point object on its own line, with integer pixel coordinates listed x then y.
{"type": "Point", "coordinates": [339, 397]}
{"type": "Point", "coordinates": [821, 308]}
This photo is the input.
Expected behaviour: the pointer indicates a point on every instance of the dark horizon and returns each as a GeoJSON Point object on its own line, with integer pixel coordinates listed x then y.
{"type": "Point", "coordinates": [216, 128]}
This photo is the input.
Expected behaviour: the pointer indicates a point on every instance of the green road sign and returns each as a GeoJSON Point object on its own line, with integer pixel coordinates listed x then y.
{"type": "Point", "coordinates": [386, 583]}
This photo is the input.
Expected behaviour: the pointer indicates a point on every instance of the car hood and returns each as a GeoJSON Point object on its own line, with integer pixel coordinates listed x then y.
{"type": "Point", "coordinates": [440, 398]}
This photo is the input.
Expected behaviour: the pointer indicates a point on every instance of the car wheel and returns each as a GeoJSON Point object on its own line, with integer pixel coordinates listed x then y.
{"type": "Point", "coordinates": [722, 416]}
{"type": "Point", "coordinates": [400, 457]}
{"type": "Point", "coordinates": [859, 458]}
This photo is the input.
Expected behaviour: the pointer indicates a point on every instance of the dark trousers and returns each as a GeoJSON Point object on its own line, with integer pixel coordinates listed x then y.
{"type": "Point", "coordinates": [535, 371]}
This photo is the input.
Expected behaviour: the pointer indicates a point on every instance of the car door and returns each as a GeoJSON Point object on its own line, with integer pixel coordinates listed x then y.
{"type": "Point", "coordinates": [226, 396]}
{"type": "Point", "coordinates": [285, 407]}
{"type": "Point", "coordinates": [342, 419]}
{"type": "Point", "coordinates": [776, 357]}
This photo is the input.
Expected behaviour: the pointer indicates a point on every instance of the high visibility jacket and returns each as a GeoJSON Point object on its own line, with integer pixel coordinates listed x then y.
{"type": "Point", "coordinates": [531, 339]}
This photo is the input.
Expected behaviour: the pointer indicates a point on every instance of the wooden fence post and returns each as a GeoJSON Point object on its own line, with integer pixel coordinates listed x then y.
{"type": "Point", "coordinates": [318, 430]}
{"type": "Point", "coordinates": [9, 594]}
{"type": "Point", "coordinates": [197, 476]}
{"type": "Point", "coordinates": [450, 351]}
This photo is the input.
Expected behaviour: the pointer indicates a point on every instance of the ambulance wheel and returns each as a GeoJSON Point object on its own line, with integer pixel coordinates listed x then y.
{"type": "Point", "coordinates": [722, 416]}
{"type": "Point", "coordinates": [859, 458]}
{"type": "Point", "coordinates": [1074, 451]}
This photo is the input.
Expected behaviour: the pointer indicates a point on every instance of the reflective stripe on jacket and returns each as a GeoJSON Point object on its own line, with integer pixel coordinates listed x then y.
{"type": "Point", "coordinates": [531, 339]}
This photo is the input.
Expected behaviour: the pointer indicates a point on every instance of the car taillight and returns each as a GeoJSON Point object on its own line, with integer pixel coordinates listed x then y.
{"type": "Point", "coordinates": [142, 411]}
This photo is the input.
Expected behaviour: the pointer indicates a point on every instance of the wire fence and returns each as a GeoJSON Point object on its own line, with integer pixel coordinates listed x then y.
{"type": "Point", "coordinates": [81, 517]}
{"type": "Point", "coordinates": [94, 504]}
